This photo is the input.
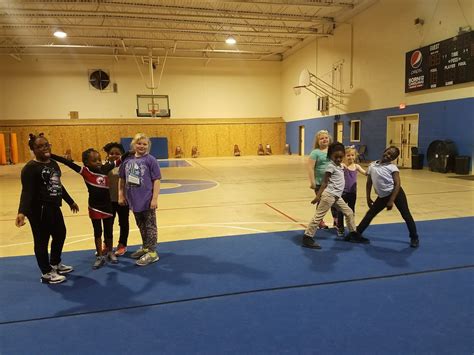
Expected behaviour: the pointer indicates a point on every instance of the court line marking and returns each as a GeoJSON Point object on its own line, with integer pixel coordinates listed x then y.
{"type": "Point", "coordinates": [248, 292]}
{"type": "Point", "coordinates": [284, 214]}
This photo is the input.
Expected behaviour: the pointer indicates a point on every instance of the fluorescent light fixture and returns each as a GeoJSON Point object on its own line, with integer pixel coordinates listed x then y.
{"type": "Point", "coordinates": [60, 33]}
{"type": "Point", "coordinates": [230, 40]}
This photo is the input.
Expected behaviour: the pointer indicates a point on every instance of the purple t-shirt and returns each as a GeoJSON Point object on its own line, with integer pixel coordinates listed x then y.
{"type": "Point", "coordinates": [139, 175]}
{"type": "Point", "coordinates": [350, 176]}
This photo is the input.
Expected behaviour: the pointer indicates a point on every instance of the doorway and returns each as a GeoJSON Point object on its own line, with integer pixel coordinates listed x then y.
{"type": "Point", "coordinates": [402, 132]}
{"type": "Point", "coordinates": [301, 145]}
{"type": "Point", "coordinates": [338, 131]}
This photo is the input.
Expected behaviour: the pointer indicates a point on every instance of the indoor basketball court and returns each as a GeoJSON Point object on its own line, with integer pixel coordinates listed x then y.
{"type": "Point", "coordinates": [231, 124]}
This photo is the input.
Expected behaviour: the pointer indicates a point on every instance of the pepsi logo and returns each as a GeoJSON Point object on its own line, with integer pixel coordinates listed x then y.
{"type": "Point", "coordinates": [416, 59]}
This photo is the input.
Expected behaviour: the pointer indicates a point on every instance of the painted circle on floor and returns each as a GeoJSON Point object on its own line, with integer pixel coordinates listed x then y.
{"type": "Point", "coordinates": [185, 185]}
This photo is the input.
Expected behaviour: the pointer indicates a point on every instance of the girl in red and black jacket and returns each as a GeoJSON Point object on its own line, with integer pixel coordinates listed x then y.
{"type": "Point", "coordinates": [100, 205]}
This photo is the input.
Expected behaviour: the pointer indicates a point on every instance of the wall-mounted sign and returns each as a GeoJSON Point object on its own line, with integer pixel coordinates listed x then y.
{"type": "Point", "coordinates": [443, 63]}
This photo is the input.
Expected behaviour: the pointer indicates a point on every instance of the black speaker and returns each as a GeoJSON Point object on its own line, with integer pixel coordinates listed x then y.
{"type": "Point", "coordinates": [461, 165]}
{"type": "Point", "coordinates": [417, 161]}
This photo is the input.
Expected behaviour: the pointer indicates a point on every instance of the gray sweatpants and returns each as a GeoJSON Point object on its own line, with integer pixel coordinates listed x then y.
{"type": "Point", "coordinates": [325, 204]}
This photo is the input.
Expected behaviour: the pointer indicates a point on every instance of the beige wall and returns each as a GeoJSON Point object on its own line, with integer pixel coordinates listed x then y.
{"type": "Point", "coordinates": [48, 88]}
{"type": "Point", "coordinates": [382, 35]}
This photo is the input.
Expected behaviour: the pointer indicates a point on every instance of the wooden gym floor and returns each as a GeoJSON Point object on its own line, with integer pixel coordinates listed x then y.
{"type": "Point", "coordinates": [252, 194]}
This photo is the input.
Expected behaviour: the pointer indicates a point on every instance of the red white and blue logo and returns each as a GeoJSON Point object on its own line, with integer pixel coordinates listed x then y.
{"type": "Point", "coordinates": [416, 59]}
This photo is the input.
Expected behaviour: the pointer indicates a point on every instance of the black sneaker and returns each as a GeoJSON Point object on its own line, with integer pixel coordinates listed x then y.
{"type": "Point", "coordinates": [355, 237]}
{"type": "Point", "coordinates": [309, 242]}
{"type": "Point", "coordinates": [414, 243]}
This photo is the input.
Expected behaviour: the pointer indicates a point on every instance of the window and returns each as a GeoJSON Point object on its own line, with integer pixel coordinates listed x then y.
{"type": "Point", "coordinates": [355, 130]}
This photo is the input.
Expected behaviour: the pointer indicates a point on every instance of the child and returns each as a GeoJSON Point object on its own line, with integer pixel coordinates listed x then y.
{"type": "Point", "coordinates": [317, 162]}
{"type": "Point", "coordinates": [385, 177]}
{"type": "Point", "coordinates": [115, 151]}
{"type": "Point", "coordinates": [330, 195]}
{"type": "Point", "coordinates": [139, 185]}
{"type": "Point", "coordinates": [349, 195]}
{"type": "Point", "coordinates": [40, 202]}
{"type": "Point", "coordinates": [100, 206]}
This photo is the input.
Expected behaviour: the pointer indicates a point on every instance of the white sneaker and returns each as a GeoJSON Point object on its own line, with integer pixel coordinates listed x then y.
{"type": "Point", "coordinates": [112, 258]}
{"type": "Point", "coordinates": [99, 262]}
{"type": "Point", "coordinates": [62, 269]}
{"type": "Point", "coordinates": [148, 258]}
{"type": "Point", "coordinates": [52, 277]}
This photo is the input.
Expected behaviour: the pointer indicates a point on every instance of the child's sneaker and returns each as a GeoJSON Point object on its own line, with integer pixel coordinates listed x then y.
{"type": "Point", "coordinates": [99, 262]}
{"type": "Point", "coordinates": [139, 253]}
{"type": "Point", "coordinates": [340, 232]}
{"type": "Point", "coordinates": [111, 257]}
{"type": "Point", "coordinates": [62, 269]}
{"type": "Point", "coordinates": [355, 237]}
{"type": "Point", "coordinates": [121, 250]}
{"type": "Point", "coordinates": [148, 258]}
{"type": "Point", "coordinates": [52, 277]}
{"type": "Point", "coordinates": [414, 242]}
{"type": "Point", "coordinates": [309, 242]}
{"type": "Point", "coordinates": [322, 225]}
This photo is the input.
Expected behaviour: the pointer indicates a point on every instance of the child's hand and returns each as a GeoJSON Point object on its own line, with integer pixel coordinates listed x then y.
{"type": "Point", "coordinates": [389, 205]}
{"type": "Point", "coordinates": [74, 208]}
{"type": "Point", "coordinates": [315, 200]}
{"type": "Point", "coordinates": [20, 220]}
{"type": "Point", "coordinates": [153, 204]}
{"type": "Point", "coordinates": [369, 202]}
{"type": "Point", "coordinates": [122, 201]}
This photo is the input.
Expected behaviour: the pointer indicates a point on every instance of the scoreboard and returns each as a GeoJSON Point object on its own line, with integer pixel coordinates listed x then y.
{"type": "Point", "coordinates": [443, 63]}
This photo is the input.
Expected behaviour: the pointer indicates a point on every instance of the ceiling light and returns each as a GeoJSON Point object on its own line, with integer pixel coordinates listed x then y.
{"type": "Point", "coordinates": [60, 33]}
{"type": "Point", "coordinates": [230, 40]}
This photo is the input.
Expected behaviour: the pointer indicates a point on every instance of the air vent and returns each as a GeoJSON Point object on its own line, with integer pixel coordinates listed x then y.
{"type": "Point", "coordinates": [99, 79]}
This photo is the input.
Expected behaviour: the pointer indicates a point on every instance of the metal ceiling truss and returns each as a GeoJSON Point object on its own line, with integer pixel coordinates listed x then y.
{"type": "Point", "coordinates": [264, 30]}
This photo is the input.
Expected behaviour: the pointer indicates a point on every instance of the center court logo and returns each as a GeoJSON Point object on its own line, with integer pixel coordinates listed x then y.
{"type": "Point", "coordinates": [416, 59]}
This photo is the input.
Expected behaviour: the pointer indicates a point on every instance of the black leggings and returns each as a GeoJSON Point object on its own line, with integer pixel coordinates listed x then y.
{"type": "Point", "coordinates": [123, 213]}
{"type": "Point", "coordinates": [108, 229]}
{"type": "Point", "coordinates": [45, 221]}
{"type": "Point", "coordinates": [350, 198]}
{"type": "Point", "coordinates": [380, 203]}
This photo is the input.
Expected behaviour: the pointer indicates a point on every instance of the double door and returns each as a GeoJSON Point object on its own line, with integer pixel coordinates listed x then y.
{"type": "Point", "coordinates": [402, 132]}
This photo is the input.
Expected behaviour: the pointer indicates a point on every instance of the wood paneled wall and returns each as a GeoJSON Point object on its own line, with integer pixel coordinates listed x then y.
{"type": "Point", "coordinates": [213, 137]}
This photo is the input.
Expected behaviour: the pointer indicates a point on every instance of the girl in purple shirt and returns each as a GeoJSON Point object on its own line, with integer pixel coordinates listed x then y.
{"type": "Point", "coordinates": [350, 188]}
{"type": "Point", "coordinates": [139, 186]}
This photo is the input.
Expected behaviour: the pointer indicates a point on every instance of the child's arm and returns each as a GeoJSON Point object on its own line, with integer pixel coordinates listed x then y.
{"type": "Point", "coordinates": [66, 162]}
{"type": "Point", "coordinates": [121, 192]}
{"type": "Point", "coordinates": [327, 176]}
{"type": "Point", "coordinates": [156, 192]}
{"type": "Point", "coordinates": [68, 199]}
{"type": "Point", "coordinates": [110, 165]}
{"type": "Point", "coordinates": [311, 165]}
{"type": "Point", "coordinates": [368, 189]}
{"type": "Point", "coordinates": [396, 189]}
{"type": "Point", "coordinates": [360, 169]}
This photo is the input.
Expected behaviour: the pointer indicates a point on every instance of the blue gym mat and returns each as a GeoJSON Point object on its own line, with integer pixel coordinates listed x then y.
{"type": "Point", "coordinates": [203, 268]}
{"type": "Point", "coordinates": [429, 313]}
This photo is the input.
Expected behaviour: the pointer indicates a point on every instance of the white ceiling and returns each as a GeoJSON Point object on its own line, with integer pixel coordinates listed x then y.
{"type": "Point", "coordinates": [264, 29]}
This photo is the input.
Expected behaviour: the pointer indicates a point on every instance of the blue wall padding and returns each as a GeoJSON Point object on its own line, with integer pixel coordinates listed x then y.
{"type": "Point", "coordinates": [442, 120]}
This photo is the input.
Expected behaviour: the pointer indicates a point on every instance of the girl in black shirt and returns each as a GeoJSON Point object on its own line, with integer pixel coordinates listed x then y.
{"type": "Point", "coordinates": [41, 196]}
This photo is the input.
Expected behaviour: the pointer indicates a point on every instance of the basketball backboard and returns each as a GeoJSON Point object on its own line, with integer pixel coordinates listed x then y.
{"type": "Point", "coordinates": [153, 106]}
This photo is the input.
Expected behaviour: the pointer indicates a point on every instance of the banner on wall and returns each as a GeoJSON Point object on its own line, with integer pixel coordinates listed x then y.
{"type": "Point", "coordinates": [443, 63]}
